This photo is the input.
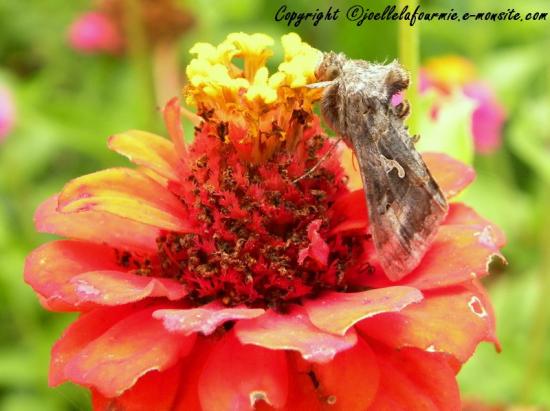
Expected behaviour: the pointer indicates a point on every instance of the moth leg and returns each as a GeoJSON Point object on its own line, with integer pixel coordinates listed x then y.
{"type": "Point", "coordinates": [403, 109]}
{"type": "Point", "coordinates": [323, 158]}
{"type": "Point", "coordinates": [397, 79]}
{"type": "Point", "coordinates": [389, 165]}
{"type": "Point", "coordinates": [415, 138]}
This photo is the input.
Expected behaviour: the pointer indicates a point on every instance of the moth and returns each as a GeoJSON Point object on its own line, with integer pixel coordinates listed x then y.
{"type": "Point", "coordinates": [405, 204]}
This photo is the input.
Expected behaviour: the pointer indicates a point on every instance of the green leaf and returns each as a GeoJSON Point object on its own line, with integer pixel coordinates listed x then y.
{"type": "Point", "coordinates": [529, 136]}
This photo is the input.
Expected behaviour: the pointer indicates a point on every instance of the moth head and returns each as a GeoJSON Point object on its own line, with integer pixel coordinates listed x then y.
{"type": "Point", "coordinates": [330, 66]}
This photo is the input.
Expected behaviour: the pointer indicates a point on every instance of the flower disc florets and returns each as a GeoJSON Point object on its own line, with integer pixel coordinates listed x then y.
{"type": "Point", "coordinates": [260, 239]}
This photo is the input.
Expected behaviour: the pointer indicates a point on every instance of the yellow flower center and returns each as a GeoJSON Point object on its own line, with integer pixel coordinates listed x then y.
{"type": "Point", "coordinates": [231, 87]}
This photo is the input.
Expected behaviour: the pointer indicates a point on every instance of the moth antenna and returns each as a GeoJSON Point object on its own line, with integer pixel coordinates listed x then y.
{"type": "Point", "coordinates": [323, 158]}
{"type": "Point", "coordinates": [321, 84]}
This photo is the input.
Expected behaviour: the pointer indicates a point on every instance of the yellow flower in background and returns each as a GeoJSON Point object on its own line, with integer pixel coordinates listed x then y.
{"type": "Point", "coordinates": [450, 71]}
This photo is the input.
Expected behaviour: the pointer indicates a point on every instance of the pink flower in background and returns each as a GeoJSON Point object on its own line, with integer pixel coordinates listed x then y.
{"type": "Point", "coordinates": [487, 119]}
{"type": "Point", "coordinates": [95, 32]}
{"type": "Point", "coordinates": [447, 73]}
{"type": "Point", "coordinates": [7, 112]}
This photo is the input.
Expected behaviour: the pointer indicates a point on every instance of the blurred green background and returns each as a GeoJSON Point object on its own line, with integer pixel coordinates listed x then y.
{"type": "Point", "coordinates": [68, 102]}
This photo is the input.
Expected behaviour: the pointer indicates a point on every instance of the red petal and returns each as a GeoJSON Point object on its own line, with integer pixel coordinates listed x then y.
{"type": "Point", "coordinates": [204, 319]}
{"type": "Point", "coordinates": [147, 149]}
{"type": "Point", "coordinates": [236, 376]}
{"type": "Point", "coordinates": [172, 120]}
{"type": "Point", "coordinates": [414, 380]}
{"type": "Point", "coordinates": [293, 331]}
{"type": "Point", "coordinates": [452, 322]}
{"type": "Point", "coordinates": [458, 254]}
{"type": "Point", "coordinates": [192, 366]}
{"type": "Point", "coordinates": [451, 175]}
{"type": "Point", "coordinates": [317, 250]}
{"type": "Point", "coordinates": [86, 328]}
{"type": "Point", "coordinates": [349, 212]}
{"type": "Point", "coordinates": [350, 381]}
{"type": "Point", "coordinates": [337, 312]}
{"type": "Point", "coordinates": [95, 226]}
{"type": "Point", "coordinates": [461, 214]}
{"type": "Point", "coordinates": [154, 391]}
{"type": "Point", "coordinates": [137, 344]}
{"type": "Point", "coordinates": [126, 193]}
{"type": "Point", "coordinates": [302, 394]}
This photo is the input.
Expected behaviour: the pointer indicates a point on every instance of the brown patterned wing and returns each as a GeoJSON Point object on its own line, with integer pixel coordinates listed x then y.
{"type": "Point", "coordinates": [405, 203]}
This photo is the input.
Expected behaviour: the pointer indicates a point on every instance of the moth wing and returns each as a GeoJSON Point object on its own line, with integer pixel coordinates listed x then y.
{"type": "Point", "coordinates": [405, 203]}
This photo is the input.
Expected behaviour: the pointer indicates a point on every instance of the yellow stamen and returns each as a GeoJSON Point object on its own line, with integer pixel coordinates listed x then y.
{"type": "Point", "coordinates": [263, 105]}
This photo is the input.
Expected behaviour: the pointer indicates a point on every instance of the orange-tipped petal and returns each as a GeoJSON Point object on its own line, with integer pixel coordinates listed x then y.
{"type": "Point", "coordinates": [453, 322]}
{"type": "Point", "coordinates": [77, 275]}
{"type": "Point", "coordinates": [204, 319]}
{"type": "Point", "coordinates": [126, 193]}
{"type": "Point", "coordinates": [147, 149]}
{"type": "Point", "coordinates": [458, 254]}
{"type": "Point", "coordinates": [452, 175]}
{"type": "Point", "coordinates": [172, 120]}
{"type": "Point", "coordinates": [338, 312]}
{"type": "Point", "coordinates": [115, 288]}
{"type": "Point", "coordinates": [413, 380]}
{"type": "Point", "coordinates": [96, 227]}
{"type": "Point", "coordinates": [461, 214]}
{"type": "Point", "coordinates": [293, 331]}
{"type": "Point", "coordinates": [484, 304]}
{"type": "Point", "coordinates": [236, 376]}
{"type": "Point", "coordinates": [153, 175]}
{"type": "Point", "coordinates": [49, 268]}
{"type": "Point", "coordinates": [134, 346]}
{"type": "Point", "coordinates": [154, 390]}
{"type": "Point", "coordinates": [79, 334]}
{"type": "Point", "coordinates": [350, 381]}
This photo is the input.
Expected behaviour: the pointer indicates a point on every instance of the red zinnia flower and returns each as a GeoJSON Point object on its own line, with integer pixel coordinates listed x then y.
{"type": "Point", "coordinates": [207, 279]}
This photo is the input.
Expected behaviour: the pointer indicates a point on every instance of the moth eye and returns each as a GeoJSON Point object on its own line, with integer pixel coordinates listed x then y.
{"type": "Point", "coordinates": [332, 73]}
